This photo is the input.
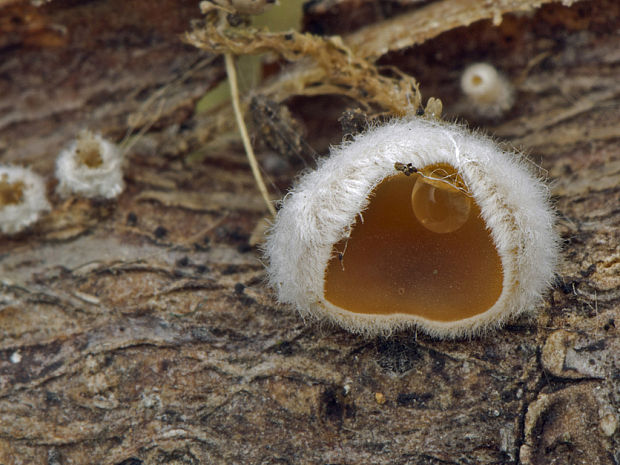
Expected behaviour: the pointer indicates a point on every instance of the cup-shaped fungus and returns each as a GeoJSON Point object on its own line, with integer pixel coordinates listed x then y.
{"type": "Point", "coordinates": [488, 91]}
{"type": "Point", "coordinates": [415, 223]}
{"type": "Point", "coordinates": [22, 198]}
{"type": "Point", "coordinates": [91, 167]}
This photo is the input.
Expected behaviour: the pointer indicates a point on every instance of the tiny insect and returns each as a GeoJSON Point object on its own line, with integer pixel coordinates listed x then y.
{"type": "Point", "coordinates": [406, 168]}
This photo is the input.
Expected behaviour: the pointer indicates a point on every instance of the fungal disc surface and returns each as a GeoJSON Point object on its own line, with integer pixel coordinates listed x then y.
{"type": "Point", "coordinates": [422, 249]}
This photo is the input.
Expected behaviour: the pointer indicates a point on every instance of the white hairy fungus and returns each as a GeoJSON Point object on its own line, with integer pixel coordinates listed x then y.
{"type": "Point", "coordinates": [22, 198]}
{"type": "Point", "coordinates": [489, 92]}
{"type": "Point", "coordinates": [91, 167]}
{"type": "Point", "coordinates": [416, 223]}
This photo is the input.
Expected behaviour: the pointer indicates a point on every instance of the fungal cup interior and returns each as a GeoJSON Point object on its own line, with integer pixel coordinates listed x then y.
{"type": "Point", "coordinates": [422, 249]}
{"type": "Point", "coordinates": [10, 193]}
{"type": "Point", "coordinates": [88, 151]}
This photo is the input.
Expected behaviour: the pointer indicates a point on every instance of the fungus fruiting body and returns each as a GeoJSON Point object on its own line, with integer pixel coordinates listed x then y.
{"type": "Point", "coordinates": [22, 198]}
{"type": "Point", "coordinates": [91, 167]}
{"type": "Point", "coordinates": [416, 223]}
{"type": "Point", "coordinates": [488, 91]}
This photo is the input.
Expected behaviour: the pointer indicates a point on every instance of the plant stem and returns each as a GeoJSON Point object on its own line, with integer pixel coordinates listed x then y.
{"type": "Point", "coordinates": [234, 91]}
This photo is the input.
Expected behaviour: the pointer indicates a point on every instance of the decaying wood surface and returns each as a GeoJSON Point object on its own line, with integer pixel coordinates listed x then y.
{"type": "Point", "coordinates": [140, 331]}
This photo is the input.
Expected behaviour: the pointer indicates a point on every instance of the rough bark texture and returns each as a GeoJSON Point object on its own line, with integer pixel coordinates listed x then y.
{"type": "Point", "coordinates": [139, 331]}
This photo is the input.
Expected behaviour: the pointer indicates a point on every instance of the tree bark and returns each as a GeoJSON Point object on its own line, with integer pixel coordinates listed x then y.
{"type": "Point", "coordinates": [140, 330]}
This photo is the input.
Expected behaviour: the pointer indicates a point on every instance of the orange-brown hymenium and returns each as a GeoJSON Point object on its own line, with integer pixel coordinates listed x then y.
{"type": "Point", "coordinates": [415, 224]}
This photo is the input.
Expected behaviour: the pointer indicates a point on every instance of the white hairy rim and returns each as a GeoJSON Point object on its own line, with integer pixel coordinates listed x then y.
{"type": "Point", "coordinates": [324, 205]}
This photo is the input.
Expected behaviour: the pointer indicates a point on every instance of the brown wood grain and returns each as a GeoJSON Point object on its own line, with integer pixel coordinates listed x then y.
{"type": "Point", "coordinates": [140, 330]}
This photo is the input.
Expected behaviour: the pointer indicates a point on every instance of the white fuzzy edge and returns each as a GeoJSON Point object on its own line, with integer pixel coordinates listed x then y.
{"type": "Point", "coordinates": [324, 204]}
{"type": "Point", "coordinates": [15, 218]}
{"type": "Point", "coordinates": [104, 181]}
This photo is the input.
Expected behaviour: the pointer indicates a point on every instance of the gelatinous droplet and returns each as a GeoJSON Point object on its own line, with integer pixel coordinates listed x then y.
{"type": "Point", "coordinates": [439, 206]}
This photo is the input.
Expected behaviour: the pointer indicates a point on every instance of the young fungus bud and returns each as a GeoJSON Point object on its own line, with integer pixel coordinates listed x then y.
{"type": "Point", "coordinates": [22, 198]}
{"type": "Point", "coordinates": [489, 93]}
{"type": "Point", "coordinates": [415, 223]}
{"type": "Point", "coordinates": [91, 166]}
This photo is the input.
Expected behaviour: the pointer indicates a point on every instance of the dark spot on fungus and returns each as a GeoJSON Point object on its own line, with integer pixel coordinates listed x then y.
{"type": "Point", "coordinates": [239, 288]}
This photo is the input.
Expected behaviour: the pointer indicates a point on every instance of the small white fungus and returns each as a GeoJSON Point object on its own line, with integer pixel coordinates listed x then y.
{"type": "Point", "coordinates": [488, 91]}
{"type": "Point", "coordinates": [91, 167]}
{"type": "Point", "coordinates": [16, 357]}
{"type": "Point", "coordinates": [22, 198]}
